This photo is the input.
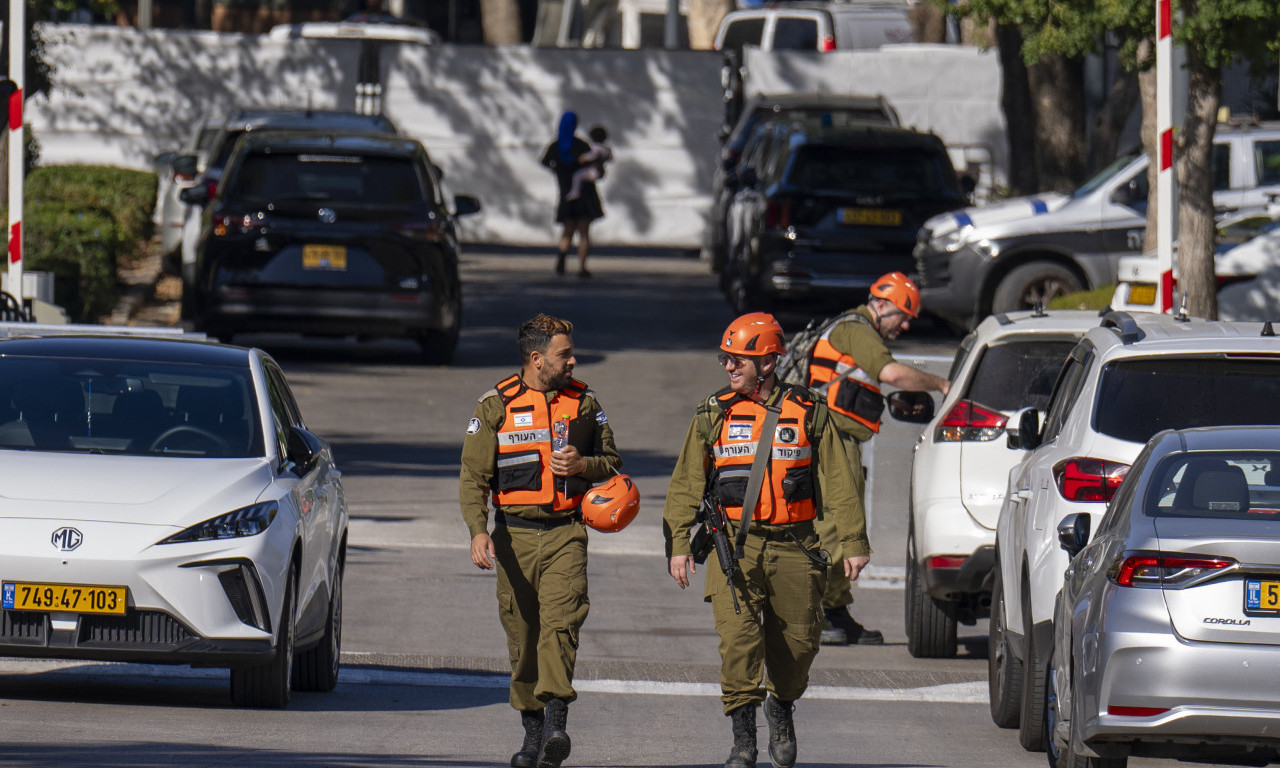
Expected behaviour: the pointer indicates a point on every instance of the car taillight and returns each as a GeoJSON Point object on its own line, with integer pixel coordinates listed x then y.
{"type": "Point", "coordinates": [777, 215]}
{"type": "Point", "coordinates": [1155, 569]}
{"type": "Point", "coordinates": [827, 45]}
{"type": "Point", "coordinates": [1137, 711]}
{"type": "Point", "coordinates": [946, 561]}
{"type": "Point", "coordinates": [240, 224]}
{"type": "Point", "coordinates": [430, 231]}
{"type": "Point", "coordinates": [212, 187]}
{"type": "Point", "coordinates": [968, 421]}
{"type": "Point", "coordinates": [1085, 479]}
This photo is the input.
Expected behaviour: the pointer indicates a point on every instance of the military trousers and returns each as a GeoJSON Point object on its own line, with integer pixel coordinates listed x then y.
{"type": "Point", "coordinates": [839, 593]}
{"type": "Point", "coordinates": [542, 602]}
{"type": "Point", "coordinates": [779, 590]}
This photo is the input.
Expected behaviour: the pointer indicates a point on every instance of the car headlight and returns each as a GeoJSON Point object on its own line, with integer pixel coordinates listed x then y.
{"type": "Point", "coordinates": [950, 242]}
{"type": "Point", "coordinates": [248, 521]}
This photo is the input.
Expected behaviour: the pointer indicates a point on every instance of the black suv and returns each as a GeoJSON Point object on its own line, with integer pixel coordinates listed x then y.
{"type": "Point", "coordinates": [826, 211]}
{"type": "Point", "coordinates": [330, 235]}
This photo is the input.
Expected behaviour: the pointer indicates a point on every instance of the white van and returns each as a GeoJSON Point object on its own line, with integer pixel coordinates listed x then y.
{"type": "Point", "coordinates": [818, 27]}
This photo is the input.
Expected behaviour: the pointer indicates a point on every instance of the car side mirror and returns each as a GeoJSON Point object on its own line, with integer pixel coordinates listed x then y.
{"type": "Point", "coordinates": [1127, 194]}
{"type": "Point", "coordinates": [1024, 434]}
{"type": "Point", "coordinates": [1073, 532]}
{"type": "Point", "coordinates": [197, 195]}
{"type": "Point", "coordinates": [184, 165]}
{"type": "Point", "coordinates": [303, 449]}
{"type": "Point", "coordinates": [466, 205]}
{"type": "Point", "coordinates": [911, 407]}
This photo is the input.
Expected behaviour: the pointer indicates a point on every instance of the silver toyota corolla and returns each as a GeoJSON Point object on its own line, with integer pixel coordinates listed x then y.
{"type": "Point", "coordinates": [1167, 629]}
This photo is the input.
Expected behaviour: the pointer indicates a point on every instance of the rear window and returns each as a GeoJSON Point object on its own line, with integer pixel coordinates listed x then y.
{"type": "Point", "coordinates": [897, 173]}
{"type": "Point", "coordinates": [1018, 374]}
{"type": "Point", "coordinates": [1266, 158]}
{"type": "Point", "coordinates": [742, 32]}
{"type": "Point", "coordinates": [1138, 398]}
{"type": "Point", "coordinates": [1218, 484]}
{"type": "Point", "coordinates": [871, 29]}
{"type": "Point", "coordinates": [790, 34]}
{"type": "Point", "coordinates": [340, 179]}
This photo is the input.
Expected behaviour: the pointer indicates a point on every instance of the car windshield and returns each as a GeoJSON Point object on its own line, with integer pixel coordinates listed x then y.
{"type": "Point", "coordinates": [128, 407]}
{"type": "Point", "coordinates": [910, 173]}
{"type": "Point", "coordinates": [346, 179]}
{"type": "Point", "coordinates": [1101, 176]}
{"type": "Point", "coordinates": [1018, 374]}
{"type": "Point", "coordinates": [1218, 484]}
{"type": "Point", "coordinates": [1140, 397]}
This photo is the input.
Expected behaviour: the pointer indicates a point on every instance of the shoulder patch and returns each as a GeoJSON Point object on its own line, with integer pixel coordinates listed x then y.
{"type": "Point", "coordinates": [473, 426]}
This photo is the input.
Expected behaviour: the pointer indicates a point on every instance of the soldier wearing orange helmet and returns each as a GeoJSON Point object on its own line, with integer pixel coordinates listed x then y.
{"type": "Point", "coordinates": [781, 572]}
{"type": "Point", "coordinates": [848, 364]}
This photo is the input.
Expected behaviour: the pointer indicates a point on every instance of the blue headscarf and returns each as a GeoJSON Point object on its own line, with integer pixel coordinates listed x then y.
{"type": "Point", "coordinates": [564, 144]}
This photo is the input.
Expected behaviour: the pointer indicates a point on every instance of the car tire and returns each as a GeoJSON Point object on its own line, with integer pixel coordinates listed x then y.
{"type": "Point", "coordinates": [1031, 720]}
{"type": "Point", "coordinates": [1037, 282]}
{"type": "Point", "coordinates": [931, 630]}
{"type": "Point", "coordinates": [1004, 670]}
{"type": "Point", "coordinates": [266, 686]}
{"type": "Point", "coordinates": [1063, 755]}
{"type": "Point", "coordinates": [743, 292]}
{"type": "Point", "coordinates": [316, 669]}
{"type": "Point", "coordinates": [1058, 754]}
{"type": "Point", "coordinates": [439, 347]}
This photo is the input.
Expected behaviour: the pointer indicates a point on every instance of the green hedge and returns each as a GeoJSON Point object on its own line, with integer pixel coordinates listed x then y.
{"type": "Point", "coordinates": [78, 223]}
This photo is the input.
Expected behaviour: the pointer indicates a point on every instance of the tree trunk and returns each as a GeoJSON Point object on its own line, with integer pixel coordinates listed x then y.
{"type": "Point", "coordinates": [500, 20]}
{"type": "Point", "coordinates": [1147, 87]}
{"type": "Point", "coordinates": [1196, 227]}
{"type": "Point", "coordinates": [928, 23]}
{"type": "Point", "coordinates": [1110, 121]}
{"type": "Point", "coordinates": [703, 19]}
{"type": "Point", "coordinates": [1020, 119]}
{"type": "Point", "coordinates": [1057, 92]}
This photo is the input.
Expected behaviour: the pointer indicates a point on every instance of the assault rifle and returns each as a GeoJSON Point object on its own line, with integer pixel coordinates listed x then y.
{"type": "Point", "coordinates": [713, 534]}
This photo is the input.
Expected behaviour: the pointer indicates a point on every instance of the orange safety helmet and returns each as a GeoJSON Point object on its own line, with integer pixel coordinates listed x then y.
{"type": "Point", "coordinates": [756, 333]}
{"type": "Point", "coordinates": [899, 291]}
{"type": "Point", "coordinates": [612, 505]}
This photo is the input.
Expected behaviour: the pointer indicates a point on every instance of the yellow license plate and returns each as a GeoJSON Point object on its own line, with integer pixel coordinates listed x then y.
{"type": "Point", "coordinates": [324, 257]}
{"type": "Point", "coordinates": [871, 217]}
{"type": "Point", "coordinates": [1143, 293]}
{"type": "Point", "coordinates": [1261, 595]}
{"type": "Point", "coordinates": [73, 598]}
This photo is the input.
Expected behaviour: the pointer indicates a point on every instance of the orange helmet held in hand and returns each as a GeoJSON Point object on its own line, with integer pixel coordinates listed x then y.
{"type": "Point", "coordinates": [756, 333]}
{"type": "Point", "coordinates": [899, 291]}
{"type": "Point", "coordinates": [612, 505]}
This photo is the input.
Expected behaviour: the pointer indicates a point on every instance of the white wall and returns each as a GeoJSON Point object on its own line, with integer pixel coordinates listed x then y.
{"type": "Point", "coordinates": [486, 114]}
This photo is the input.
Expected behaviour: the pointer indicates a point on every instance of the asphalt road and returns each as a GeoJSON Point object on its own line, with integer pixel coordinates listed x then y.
{"type": "Point", "coordinates": [423, 681]}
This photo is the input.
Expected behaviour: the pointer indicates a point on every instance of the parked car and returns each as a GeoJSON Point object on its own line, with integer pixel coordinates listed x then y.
{"type": "Point", "coordinates": [1165, 636]}
{"type": "Point", "coordinates": [331, 234]}
{"type": "Point", "coordinates": [960, 469]}
{"type": "Point", "coordinates": [1029, 250]}
{"type": "Point", "coordinates": [826, 211]}
{"type": "Point", "coordinates": [238, 123]}
{"type": "Point", "coordinates": [1126, 380]}
{"type": "Point", "coordinates": [817, 26]}
{"type": "Point", "coordinates": [165, 503]}
{"type": "Point", "coordinates": [172, 181]}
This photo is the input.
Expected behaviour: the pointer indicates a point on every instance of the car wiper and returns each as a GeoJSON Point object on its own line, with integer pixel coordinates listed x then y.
{"type": "Point", "coordinates": [303, 196]}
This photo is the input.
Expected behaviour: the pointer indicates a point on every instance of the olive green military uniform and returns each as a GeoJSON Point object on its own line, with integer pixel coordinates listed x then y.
{"type": "Point", "coordinates": [863, 343]}
{"type": "Point", "coordinates": [541, 558]}
{"type": "Point", "coordinates": [779, 586]}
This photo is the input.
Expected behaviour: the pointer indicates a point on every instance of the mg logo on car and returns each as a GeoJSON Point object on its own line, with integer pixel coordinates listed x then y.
{"type": "Point", "coordinates": [67, 539]}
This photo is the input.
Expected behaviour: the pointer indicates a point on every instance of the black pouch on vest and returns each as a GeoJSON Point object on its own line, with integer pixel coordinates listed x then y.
{"type": "Point", "coordinates": [700, 543]}
{"type": "Point", "coordinates": [575, 486]}
{"type": "Point", "coordinates": [797, 484]}
{"type": "Point", "coordinates": [731, 485]}
{"type": "Point", "coordinates": [860, 401]}
{"type": "Point", "coordinates": [520, 472]}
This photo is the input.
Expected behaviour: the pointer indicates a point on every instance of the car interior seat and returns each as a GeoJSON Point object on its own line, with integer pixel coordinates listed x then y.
{"type": "Point", "coordinates": [52, 410]}
{"type": "Point", "coordinates": [217, 410]}
{"type": "Point", "coordinates": [140, 416]}
{"type": "Point", "coordinates": [1212, 485]}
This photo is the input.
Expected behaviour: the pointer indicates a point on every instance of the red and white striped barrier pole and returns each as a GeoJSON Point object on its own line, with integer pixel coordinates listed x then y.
{"type": "Point", "coordinates": [1165, 183]}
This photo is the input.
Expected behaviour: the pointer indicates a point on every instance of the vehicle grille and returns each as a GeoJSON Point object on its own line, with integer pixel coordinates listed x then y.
{"type": "Point", "coordinates": [136, 628]}
{"type": "Point", "coordinates": [27, 627]}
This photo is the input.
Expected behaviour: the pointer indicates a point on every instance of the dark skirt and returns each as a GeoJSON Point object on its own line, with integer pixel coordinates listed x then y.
{"type": "Point", "coordinates": [585, 208]}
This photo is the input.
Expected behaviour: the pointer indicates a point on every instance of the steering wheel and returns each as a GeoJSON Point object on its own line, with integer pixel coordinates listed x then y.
{"type": "Point", "coordinates": [217, 441]}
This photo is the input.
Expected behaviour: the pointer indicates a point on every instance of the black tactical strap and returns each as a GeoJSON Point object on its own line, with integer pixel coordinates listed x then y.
{"type": "Point", "coordinates": [764, 447]}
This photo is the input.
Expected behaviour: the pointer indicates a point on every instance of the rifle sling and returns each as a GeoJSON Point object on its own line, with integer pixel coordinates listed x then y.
{"type": "Point", "coordinates": [764, 447]}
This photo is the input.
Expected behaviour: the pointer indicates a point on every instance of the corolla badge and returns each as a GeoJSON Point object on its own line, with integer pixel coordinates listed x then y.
{"type": "Point", "coordinates": [327, 215]}
{"type": "Point", "coordinates": [67, 539]}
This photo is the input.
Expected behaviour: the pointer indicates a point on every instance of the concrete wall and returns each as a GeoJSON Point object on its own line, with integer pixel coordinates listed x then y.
{"type": "Point", "coordinates": [486, 114]}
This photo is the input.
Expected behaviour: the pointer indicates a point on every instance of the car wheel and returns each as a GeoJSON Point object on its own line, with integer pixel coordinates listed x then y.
{"type": "Point", "coordinates": [1057, 751]}
{"type": "Point", "coordinates": [1063, 755]}
{"type": "Point", "coordinates": [266, 686]}
{"type": "Point", "coordinates": [438, 347]}
{"type": "Point", "coordinates": [1031, 721]}
{"type": "Point", "coordinates": [317, 669]}
{"type": "Point", "coordinates": [931, 632]}
{"type": "Point", "coordinates": [1038, 282]}
{"type": "Point", "coordinates": [1004, 670]}
{"type": "Point", "coordinates": [743, 291]}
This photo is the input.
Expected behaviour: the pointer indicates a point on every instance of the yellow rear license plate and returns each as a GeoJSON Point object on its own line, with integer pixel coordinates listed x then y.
{"type": "Point", "coordinates": [1144, 293]}
{"type": "Point", "coordinates": [324, 257]}
{"type": "Point", "coordinates": [871, 217]}
{"type": "Point", "coordinates": [1261, 595]}
{"type": "Point", "coordinates": [74, 598]}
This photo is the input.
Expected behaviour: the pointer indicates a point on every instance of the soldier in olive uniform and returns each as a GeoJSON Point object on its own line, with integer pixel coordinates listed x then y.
{"type": "Point", "coordinates": [538, 542]}
{"type": "Point", "coordinates": [847, 366]}
{"type": "Point", "coordinates": [782, 574]}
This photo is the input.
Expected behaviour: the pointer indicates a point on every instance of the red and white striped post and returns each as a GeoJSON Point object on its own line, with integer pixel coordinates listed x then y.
{"type": "Point", "coordinates": [1165, 183]}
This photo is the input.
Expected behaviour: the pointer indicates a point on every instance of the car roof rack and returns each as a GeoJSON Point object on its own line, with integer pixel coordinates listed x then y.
{"type": "Point", "coordinates": [1124, 325]}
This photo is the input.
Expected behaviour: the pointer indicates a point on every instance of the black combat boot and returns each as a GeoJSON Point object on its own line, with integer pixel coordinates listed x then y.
{"type": "Point", "coordinates": [842, 629]}
{"type": "Point", "coordinates": [527, 757]}
{"type": "Point", "coordinates": [555, 741]}
{"type": "Point", "coordinates": [782, 732]}
{"type": "Point", "coordinates": [743, 754]}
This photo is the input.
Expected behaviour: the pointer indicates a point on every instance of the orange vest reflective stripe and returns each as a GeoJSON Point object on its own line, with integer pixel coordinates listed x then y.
{"type": "Point", "coordinates": [523, 475]}
{"type": "Point", "coordinates": [786, 494]}
{"type": "Point", "coordinates": [836, 374]}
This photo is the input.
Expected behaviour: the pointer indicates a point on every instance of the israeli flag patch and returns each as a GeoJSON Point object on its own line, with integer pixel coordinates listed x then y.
{"type": "Point", "coordinates": [601, 418]}
{"type": "Point", "coordinates": [523, 420]}
{"type": "Point", "coordinates": [739, 431]}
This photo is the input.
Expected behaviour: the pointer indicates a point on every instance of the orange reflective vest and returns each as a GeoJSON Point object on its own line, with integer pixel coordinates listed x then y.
{"type": "Point", "coordinates": [523, 475]}
{"type": "Point", "coordinates": [849, 389]}
{"type": "Point", "coordinates": [787, 491]}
